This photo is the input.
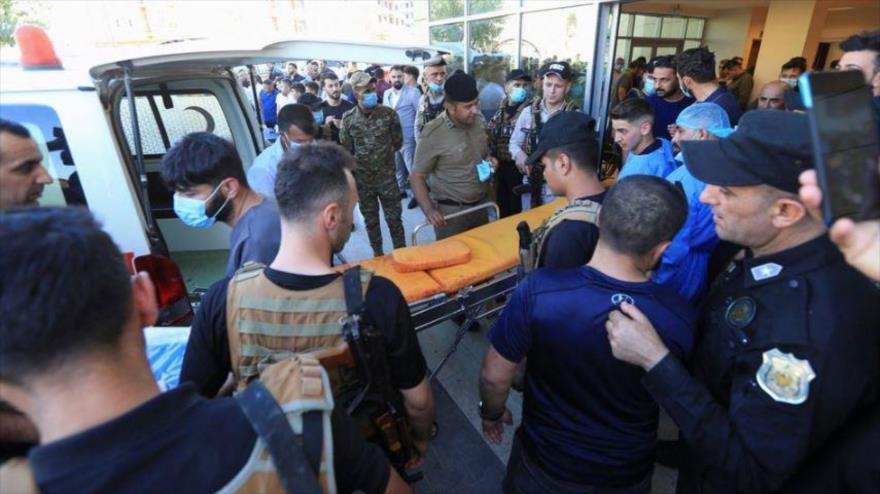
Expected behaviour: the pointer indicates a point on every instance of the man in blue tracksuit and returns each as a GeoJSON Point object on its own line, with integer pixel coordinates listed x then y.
{"type": "Point", "coordinates": [684, 264]}
{"type": "Point", "coordinates": [632, 121]}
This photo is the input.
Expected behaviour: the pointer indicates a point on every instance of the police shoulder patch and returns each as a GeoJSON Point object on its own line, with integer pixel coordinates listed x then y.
{"type": "Point", "coordinates": [785, 377]}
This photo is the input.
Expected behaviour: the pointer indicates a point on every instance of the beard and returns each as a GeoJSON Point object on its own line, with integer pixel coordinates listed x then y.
{"type": "Point", "coordinates": [215, 205]}
{"type": "Point", "coordinates": [397, 85]}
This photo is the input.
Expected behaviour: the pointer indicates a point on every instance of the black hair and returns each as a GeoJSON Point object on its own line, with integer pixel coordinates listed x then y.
{"type": "Point", "coordinates": [664, 62]}
{"type": "Point", "coordinates": [399, 68]}
{"type": "Point", "coordinates": [298, 87]}
{"type": "Point", "coordinates": [329, 76]}
{"type": "Point", "coordinates": [201, 158]}
{"type": "Point", "coordinates": [310, 100]}
{"type": "Point", "coordinates": [314, 62]}
{"type": "Point", "coordinates": [13, 128]}
{"type": "Point", "coordinates": [800, 62]}
{"type": "Point", "coordinates": [310, 177]}
{"type": "Point", "coordinates": [731, 64]}
{"type": "Point", "coordinates": [65, 290]}
{"type": "Point", "coordinates": [791, 64]}
{"type": "Point", "coordinates": [313, 86]}
{"type": "Point", "coordinates": [631, 110]}
{"type": "Point", "coordinates": [299, 116]}
{"type": "Point", "coordinates": [583, 154]}
{"type": "Point", "coordinates": [696, 63]}
{"type": "Point", "coordinates": [294, 65]}
{"type": "Point", "coordinates": [641, 211]}
{"type": "Point", "coordinates": [869, 41]}
{"type": "Point", "coordinates": [638, 63]}
{"type": "Point", "coordinates": [411, 70]}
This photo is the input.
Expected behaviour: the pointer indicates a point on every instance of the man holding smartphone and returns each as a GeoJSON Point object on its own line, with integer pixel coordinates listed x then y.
{"type": "Point", "coordinates": [789, 346]}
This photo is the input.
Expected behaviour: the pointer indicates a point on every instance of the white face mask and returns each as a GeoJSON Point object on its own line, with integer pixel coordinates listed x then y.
{"type": "Point", "coordinates": [792, 83]}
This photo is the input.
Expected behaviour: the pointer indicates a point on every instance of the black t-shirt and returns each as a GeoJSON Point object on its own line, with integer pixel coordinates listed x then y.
{"type": "Point", "coordinates": [335, 112]}
{"type": "Point", "coordinates": [181, 442]}
{"type": "Point", "coordinates": [570, 244]}
{"type": "Point", "coordinates": [206, 362]}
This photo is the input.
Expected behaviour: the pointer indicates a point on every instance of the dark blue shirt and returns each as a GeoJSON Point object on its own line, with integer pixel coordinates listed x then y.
{"type": "Point", "coordinates": [587, 419]}
{"type": "Point", "coordinates": [270, 108]}
{"type": "Point", "coordinates": [665, 113]}
{"type": "Point", "coordinates": [570, 244]}
{"type": "Point", "coordinates": [725, 99]}
{"type": "Point", "coordinates": [181, 442]}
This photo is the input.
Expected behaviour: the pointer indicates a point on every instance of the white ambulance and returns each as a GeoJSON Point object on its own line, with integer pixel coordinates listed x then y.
{"type": "Point", "coordinates": [104, 129]}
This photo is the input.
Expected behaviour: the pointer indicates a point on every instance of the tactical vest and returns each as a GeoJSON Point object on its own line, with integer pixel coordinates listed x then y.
{"type": "Point", "coordinates": [577, 210]}
{"type": "Point", "coordinates": [533, 134]}
{"type": "Point", "coordinates": [427, 111]}
{"type": "Point", "coordinates": [266, 323]}
{"type": "Point", "coordinates": [300, 389]}
{"type": "Point", "coordinates": [500, 129]}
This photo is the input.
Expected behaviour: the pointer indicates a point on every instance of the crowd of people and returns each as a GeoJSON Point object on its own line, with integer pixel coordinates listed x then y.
{"type": "Point", "coordinates": [703, 282]}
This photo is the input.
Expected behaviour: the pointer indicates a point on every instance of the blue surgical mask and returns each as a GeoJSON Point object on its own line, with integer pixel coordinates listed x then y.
{"type": "Point", "coordinates": [370, 100]}
{"type": "Point", "coordinates": [792, 83]}
{"type": "Point", "coordinates": [484, 170]}
{"type": "Point", "coordinates": [649, 89]}
{"type": "Point", "coordinates": [319, 117]}
{"type": "Point", "coordinates": [435, 88]}
{"type": "Point", "coordinates": [518, 95]}
{"type": "Point", "coordinates": [192, 213]}
{"type": "Point", "coordinates": [679, 157]}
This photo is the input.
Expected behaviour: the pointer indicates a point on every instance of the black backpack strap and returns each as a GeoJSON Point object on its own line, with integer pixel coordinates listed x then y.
{"type": "Point", "coordinates": [354, 293]}
{"type": "Point", "coordinates": [270, 423]}
{"type": "Point", "coordinates": [313, 438]}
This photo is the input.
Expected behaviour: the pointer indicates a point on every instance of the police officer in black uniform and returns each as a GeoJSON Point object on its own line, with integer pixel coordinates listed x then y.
{"type": "Point", "coordinates": [789, 349]}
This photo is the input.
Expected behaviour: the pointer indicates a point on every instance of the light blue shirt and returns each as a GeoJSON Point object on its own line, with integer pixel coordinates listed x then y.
{"type": "Point", "coordinates": [685, 263]}
{"type": "Point", "coordinates": [261, 175]}
{"type": "Point", "coordinates": [658, 163]}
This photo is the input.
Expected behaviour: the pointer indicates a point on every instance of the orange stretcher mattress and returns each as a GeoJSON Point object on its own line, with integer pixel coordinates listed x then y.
{"type": "Point", "coordinates": [447, 252]}
{"type": "Point", "coordinates": [494, 248]}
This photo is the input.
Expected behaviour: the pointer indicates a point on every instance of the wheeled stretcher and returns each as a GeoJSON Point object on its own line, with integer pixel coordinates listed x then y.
{"type": "Point", "coordinates": [467, 291]}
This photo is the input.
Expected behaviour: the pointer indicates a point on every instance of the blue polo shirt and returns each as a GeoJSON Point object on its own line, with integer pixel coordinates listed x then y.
{"type": "Point", "coordinates": [270, 108]}
{"type": "Point", "coordinates": [725, 99]}
{"type": "Point", "coordinates": [587, 419]}
{"type": "Point", "coordinates": [665, 113]}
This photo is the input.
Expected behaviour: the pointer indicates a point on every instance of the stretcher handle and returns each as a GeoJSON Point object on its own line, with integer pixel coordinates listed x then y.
{"type": "Point", "coordinates": [485, 205]}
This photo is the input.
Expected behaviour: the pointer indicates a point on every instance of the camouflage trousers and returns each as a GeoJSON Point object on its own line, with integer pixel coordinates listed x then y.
{"type": "Point", "coordinates": [389, 196]}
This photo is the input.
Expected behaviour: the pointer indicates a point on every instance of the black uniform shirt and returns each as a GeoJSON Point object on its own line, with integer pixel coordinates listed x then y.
{"type": "Point", "coordinates": [571, 243]}
{"type": "Point", "coordinates": [764, 320]}
{"type": "Point", "coordinates": [206, 362]}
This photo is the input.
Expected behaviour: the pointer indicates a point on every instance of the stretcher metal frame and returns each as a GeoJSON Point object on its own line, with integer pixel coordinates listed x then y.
{"type": "Point", "coordinates": [472, 302]}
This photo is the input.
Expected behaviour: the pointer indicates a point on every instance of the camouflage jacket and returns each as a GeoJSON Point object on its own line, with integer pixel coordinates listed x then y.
{"type": "Point", "coordinates": [426, 112]}
{"type": "Point", "coordinates": [501, 126]}
{"type": "Point", "coordinates": [372, 139]}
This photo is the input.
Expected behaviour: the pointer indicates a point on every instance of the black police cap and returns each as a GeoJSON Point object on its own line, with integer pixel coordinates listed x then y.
{"type": "Point", "coordinates": [461, 88]}
{"type": "Point", "coordinates": [518, 75]}
{"type": "Point", "coordinates": [768, 148]}
{"type": "Point", "coordinates": [568, 127]}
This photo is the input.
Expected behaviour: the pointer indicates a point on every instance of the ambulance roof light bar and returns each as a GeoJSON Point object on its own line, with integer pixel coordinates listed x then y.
{"type": "Point", "coordinates": [37, 51]}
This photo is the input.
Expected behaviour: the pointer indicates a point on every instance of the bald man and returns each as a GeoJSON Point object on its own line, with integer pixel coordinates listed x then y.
{"type": "Point", "coordinates": [772, 96]}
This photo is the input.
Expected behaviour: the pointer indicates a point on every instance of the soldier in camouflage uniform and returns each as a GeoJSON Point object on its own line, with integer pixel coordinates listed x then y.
{"type": "Point", "coordinates": [372, 133]}
{"type": "Point", "coordinates": [557, 78]}
{"type": "Point", "coordinates": [500, 127]}
{"type": "Point", "coordinates": [431, 103]}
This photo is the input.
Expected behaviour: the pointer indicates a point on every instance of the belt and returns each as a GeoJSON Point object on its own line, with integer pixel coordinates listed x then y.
{"type": "Point", "coordinates": [450, 202]}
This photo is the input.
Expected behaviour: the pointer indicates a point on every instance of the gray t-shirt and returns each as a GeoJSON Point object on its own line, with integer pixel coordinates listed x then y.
{"type": "Point", "coordinates": [256, 237]}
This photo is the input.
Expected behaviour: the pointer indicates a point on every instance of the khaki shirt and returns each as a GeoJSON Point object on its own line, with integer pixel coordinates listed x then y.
{"type": "Point", "coordinates": [449, 154]}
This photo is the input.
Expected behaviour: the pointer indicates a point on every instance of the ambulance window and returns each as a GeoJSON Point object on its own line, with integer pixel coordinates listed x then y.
{"type": "Point", "coordinates": [161, 127]}
{"type": "Point", "coordinates": [45, 128]}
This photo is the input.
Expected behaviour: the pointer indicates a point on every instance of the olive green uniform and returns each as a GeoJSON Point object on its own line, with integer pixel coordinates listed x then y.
{"type": "Point", "coordinates": [448, 154]}
{"type": "Point", "coordinates": [373, 138]}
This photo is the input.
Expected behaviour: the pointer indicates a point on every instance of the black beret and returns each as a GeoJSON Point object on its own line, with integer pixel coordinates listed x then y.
{"type": "Point", "coordinates": [461, 88]}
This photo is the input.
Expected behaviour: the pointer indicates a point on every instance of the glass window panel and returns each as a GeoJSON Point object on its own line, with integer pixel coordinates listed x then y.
{"type": "Point", "coordinates": [646, 26]}
{"type": "Point", "coordinates": [450, 37]}
{"type": "Point", "coordinates": [547, 3]}
{"type": "Point", "coordinates": [673, 27]}
{"type": "Point", "coordinates": [688, 44]}
{"type": "Point", "coordinates": [626, 25]}
{"type": "Point", "coordinates": [623, 50]}
{"type": "Point", "coordinates": [493, 55]}
{"type": "Point", "coordinates": [642, 51]}
{"type": "Point", "coordinates": [483, 6]}
{"type": "Point", "coordinates": [446, 9]}
{"type": "Point", "coordinates": [666, 50]}
{"type": "Point", "coordinates": [560, 35]}
{"type": "Point", "coordinates": [695, 28]}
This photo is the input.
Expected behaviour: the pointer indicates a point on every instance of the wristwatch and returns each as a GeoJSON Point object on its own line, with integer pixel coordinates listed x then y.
{"type": "Point", "coordinates": [490, 418]}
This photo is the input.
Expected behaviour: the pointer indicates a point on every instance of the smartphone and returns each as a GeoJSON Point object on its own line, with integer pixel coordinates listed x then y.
{"type": "Point", "coordinates": [843, 128]}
